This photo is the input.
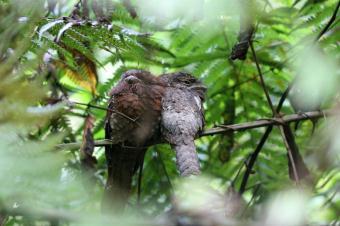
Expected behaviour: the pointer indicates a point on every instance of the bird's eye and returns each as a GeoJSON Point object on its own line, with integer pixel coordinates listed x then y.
{"type": "Point", "coordinates": [132, 79]}
{"type": "Point", "coordinates": [124, 76]}
{"type": "Point", "coordinates": [187, 82]}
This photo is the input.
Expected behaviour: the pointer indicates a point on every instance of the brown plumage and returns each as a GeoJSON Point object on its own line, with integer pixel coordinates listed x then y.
{"type": "Point", "coordinates": [132, 123]}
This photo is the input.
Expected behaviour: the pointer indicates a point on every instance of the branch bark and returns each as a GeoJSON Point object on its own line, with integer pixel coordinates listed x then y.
{"type": "Point", "coordinates": [297, 168]}
{"type": "Point", "coordinates": [221, 129]}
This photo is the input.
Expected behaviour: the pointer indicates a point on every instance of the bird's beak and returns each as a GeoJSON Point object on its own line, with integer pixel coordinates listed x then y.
{"type": "Point", "coordinates": [131, 79]}
{"type": "Point", "coordinates": [198, 87]}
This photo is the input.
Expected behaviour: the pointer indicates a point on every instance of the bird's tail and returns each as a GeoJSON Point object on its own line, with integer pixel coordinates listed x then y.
{"type": "Point", "coordinates": [187, 159]}
{"type": "Point", "coordinates": [122, 164]}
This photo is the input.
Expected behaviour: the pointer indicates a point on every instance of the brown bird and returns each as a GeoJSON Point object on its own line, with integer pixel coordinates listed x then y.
{"type": "Point", "coordinates": [132, 123]}
{"type": "Point", "coordinates": [183, 118]}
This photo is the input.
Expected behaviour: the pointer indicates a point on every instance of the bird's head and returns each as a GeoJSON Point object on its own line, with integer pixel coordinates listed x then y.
{"type": "Point", "coordinates": [132, 76]}
{"type": "Point", "coordinates": [135, 81]}
{"type": "Point", "coordinates": [140, 76]}
{"type": "Point", "coordinates": [185, 80]}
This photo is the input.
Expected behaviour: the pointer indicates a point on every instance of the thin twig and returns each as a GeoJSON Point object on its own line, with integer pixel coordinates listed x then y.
{"type": "Point", "coordinates": [164, 168]}
{"type": "Point", "coordinates": [253, 141]}
{"type": "Point", "coordinates": [238, 172]}
{"type": "Point", "coordinates": [283, 98]}
{"type": "Point", "coordinates": [328, 25]}
{"type": "Point", "coordinates": [219, 129]}
{"type": "Point", "coordinates": [290, 153]}
{"type": "Point", "coordinates": [261, 78]}
{"type": "Point", "coordinates": [76, 145]}
{"type": "Point", "coordinates": [256, 189]}
{"type": "Point", "coordinates": [289, 141]}
{"type": "Point", "coordinates": [252, 159]}
{"type": "Point", "coordinates": [103, 108]}
{"type": "Point", "coordinates": [261, 143]}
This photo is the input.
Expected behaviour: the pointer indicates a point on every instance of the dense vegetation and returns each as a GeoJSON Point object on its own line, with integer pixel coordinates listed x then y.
{"type": "Point", "coordinates": [59, 60]}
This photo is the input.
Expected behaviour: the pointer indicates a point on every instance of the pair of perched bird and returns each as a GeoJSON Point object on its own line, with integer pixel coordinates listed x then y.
{"type": "Point", "coordinates": [145, 110]}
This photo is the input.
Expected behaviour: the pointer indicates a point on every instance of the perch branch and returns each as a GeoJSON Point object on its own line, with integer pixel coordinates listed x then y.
{"type": "Point", "coordinates": [220, 129]}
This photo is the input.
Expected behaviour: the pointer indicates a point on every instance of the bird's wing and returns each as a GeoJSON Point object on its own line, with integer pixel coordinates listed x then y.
{"type": "Point", "coordinates": [122, 163]}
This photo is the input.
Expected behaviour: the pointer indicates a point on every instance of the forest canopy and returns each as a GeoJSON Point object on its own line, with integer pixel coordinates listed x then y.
{"type": "Point", "coordinates": [271, 69]}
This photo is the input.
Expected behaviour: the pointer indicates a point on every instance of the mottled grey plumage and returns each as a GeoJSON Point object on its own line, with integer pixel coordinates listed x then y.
{"type": "Point", "coordinates": [183, 119]}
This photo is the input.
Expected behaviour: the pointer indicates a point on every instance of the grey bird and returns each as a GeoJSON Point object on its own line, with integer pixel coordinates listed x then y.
{"type": "Point", "coordinates": [182, 118]}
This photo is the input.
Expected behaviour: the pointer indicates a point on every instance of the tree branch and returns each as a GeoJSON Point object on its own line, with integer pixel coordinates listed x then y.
{"type": "Point", "coordinates": [252, 159]}
{"type": "Point", "coordinates": [278, 108]}
{"type": "Point", "coordinates": [220, 129]}
{"type": "Point", "coordinates": [289, 142]}
{"type": "Point", "coordinates": [286, 133]}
